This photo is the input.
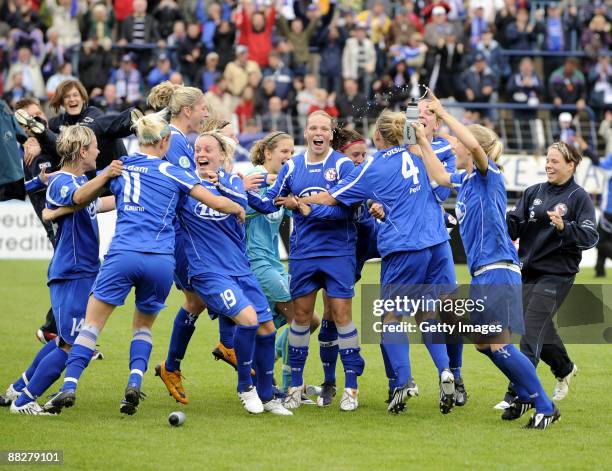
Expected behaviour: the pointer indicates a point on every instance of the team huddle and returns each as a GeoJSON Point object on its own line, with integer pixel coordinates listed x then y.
{"type": "Point", "coordinates": [184, 218]}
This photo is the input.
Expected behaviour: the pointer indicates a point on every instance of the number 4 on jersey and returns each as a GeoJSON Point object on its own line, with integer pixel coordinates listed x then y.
{"type": "Point", "coordinates": [409, 170]}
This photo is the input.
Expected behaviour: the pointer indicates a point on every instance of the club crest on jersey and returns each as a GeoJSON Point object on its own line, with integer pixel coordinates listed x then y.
{"type": "Point", "coordinates": [460, 211]}
{"type": "Point", "coordinates": [204, 212]}
{"type": "Point", "coordinates": [92, 210]}
{"type": "Point", "coordinates": [184, 161]}
{"type": "Point", "coordinates": [537, 202]}
{"type": "Point", "coordinates": [64, 191]}
{"type": "Point", "coordinates": [330, 174]}
{"type": "Point", "coordinates": [560, 209]}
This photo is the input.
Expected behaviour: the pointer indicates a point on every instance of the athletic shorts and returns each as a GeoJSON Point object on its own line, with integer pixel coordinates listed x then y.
{"type": "Point", "coordinates": [228, 295]}
{"type": "Point", "coordinates": [499, 293]}
{"type": "Point", "coordinates": [334, 274]}
{"type": "Point", "coordinates": [69, 302]}
{"type": "Point", "coordinates": [149, 273]}
{"type": "Point", "coordinates": [275, 285]}
{"type": "Point", "coordinates": [181, 271]}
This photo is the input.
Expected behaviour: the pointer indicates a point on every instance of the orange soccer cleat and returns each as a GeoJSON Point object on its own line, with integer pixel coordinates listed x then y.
{"type": "Point", "coordinates": [174, 383]}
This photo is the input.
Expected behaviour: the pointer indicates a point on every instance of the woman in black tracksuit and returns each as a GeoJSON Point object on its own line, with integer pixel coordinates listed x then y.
{"type": "Point", "coordinates": [554, 222]}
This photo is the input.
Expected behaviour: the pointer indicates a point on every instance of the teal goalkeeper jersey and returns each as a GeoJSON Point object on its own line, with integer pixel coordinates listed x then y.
{"type": "Point", "coordinates": [262, 233]}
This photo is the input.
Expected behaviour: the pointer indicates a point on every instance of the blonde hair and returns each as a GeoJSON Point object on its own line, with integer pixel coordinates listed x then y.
{"type": "Point", "coordinates": [390, 126]}
{"type": "Point", "coordinates": [322, 113]}
{"type": "Point", "coordinates": [174, 97]}
{"type": "Point", "coordinates": [258, 156]}
{"type": "Point", "coordinates": [489, 141]}
{"type": "Point", "coordinates": [70, 142]}
{"type": "Point", "coordinates": [151, 129]}
{"type": "Point", "coordinates": [226, 145]}
{"type": "Point", "coordinates": [214, 124]}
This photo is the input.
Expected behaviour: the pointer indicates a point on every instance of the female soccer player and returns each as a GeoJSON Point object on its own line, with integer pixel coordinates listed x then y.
{"type": "Point", "coordinates": [322, 255]}
{"type": "Point", "coordinates": [555, 222]}
{"type": "Point", "coordinates": [188, 111]}
{"type": "Point", "coordinates": [411, 240]}
{"type": "Point", "coordinates": [220, 273]}
{"type": "Point", "coordinates": [75, 260]}
{"type": "Point", "coordinates": [268, 155]}
{"type": "Point", "coordinates": [140, 256]}
{"type": "Point", "coordinates": [492, 258]}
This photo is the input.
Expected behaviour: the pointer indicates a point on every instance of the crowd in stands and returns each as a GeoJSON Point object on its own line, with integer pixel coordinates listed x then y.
{"type": "Point", "coordinates": [267, 64]}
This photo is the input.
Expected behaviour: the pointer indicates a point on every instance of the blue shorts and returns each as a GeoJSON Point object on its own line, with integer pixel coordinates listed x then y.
{"type": "Point", "coordinates": [149, 273]}
{"type": "Point", "coordinates": [334, 274]}
{"type": "Point", "coordinates": [69, 302]}
{"type": "Point", "coordinates": [499, 291]}
{"type": "Point", "coordinates": [181, 271]}
{"type": "Point", "coordinates": [228, 295]}
{"type": "Point", "coordinates": [275, 285]}
{"type": "Point", "coordinates": [422, 273]}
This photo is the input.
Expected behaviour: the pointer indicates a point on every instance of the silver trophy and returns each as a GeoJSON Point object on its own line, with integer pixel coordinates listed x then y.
{"type": "Point", "coordinates": [412, 115]}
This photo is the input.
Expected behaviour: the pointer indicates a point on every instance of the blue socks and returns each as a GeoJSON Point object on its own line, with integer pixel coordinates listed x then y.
{"type": "Point", "coordinates": [522, 393]}
{"type": "Point", "coordinates": [436, 345]}
{"type": "Point", "coordinates": [264, 365]}
{"type": "Point", "coordinates": [397, 350]}
{"type": "Point", "coordinates": [282, 351]}
{"type": "Point", "coordinates": [48, 371]}
{"type": "Point", "coordinates": [244, 344]}
{"type": "Point", "coordinates": [227, 329]}
{"type": "Point", "coordinates": [328, 349]}
{"type": "Point", "coordinates": [388, 368]}
{"type": "Point", "coordinates": [454, 350]}
{"type": "Point", "coordinates": [80, 356]}
{"type": "Point", "coordinates": [184, 326]}
{"type": "Point", "coordinates": [299, 338]}
{"type": "Point", "coordinates": [23, 381]}
{"type": "Point", "coordinates": [140, 351]}
{"type": "Point", "coordinates": [348, 346]}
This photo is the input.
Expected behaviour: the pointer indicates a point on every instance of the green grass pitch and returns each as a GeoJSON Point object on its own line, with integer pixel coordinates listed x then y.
{"type": "Point", "coordinates": [218, 434]}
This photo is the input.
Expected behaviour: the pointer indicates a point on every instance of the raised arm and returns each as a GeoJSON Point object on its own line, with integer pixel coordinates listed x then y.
{"type": "Point", "coordinates": [90, 191]}
{"type": "Point", "coordinates": [435, 169]}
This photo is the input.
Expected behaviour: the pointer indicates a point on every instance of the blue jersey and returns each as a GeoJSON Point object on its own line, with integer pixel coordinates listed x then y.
{"type": "Point", "coordinates": [481, 211]}
{"type": "Point", "coordinates": [326, 231]}
{"type": "Point", "coordinates": [147, 195]}
{"type": "Point", "coordinates": [444, 152]}
{"type": "Point", "coordinates": [180, 152]}
{"type": "Point", "coordinates": [398, 180]}
{"type": "Point", "coordinates": [77, 243]}
{"type": "Point", "coordinates": [215, 242]}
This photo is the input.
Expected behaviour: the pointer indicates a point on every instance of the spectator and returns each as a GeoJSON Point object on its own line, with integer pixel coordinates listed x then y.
{"type": "Point", "coordinates": [505, 16]}
{"type": "Point", "coordinates": [211, 73]}
{"type": "Point", "coordinates": [281, 74]}
{"type": "Point", "coordinates": [434, 7]}
{"type": "Point", "coordinates": [64, 73]}
{"type": "Point", "coordinates": [191, 53]}
{"type": "Point", "coordinates": [298, 37]}
{"type": "Point", "coordinates": [176, 78]}
{"type": "Point", "coordinates": [54, 54]}
{"type": "Point", "coordinates": [178, 35]}
{"type": "Point", "coordinates": [224, 38]}
{"type": "Point", "coordinates": [600, 85]}
{"type": "Point", "coordinates": [26, 28]}
{"type": "Point", "coordinates": [567, 130]}
{"type": "Point", "coordinates": [490, 48]}
{"type": "Point", "coordinates": [128, 81]}
{"type": "Point", "coordinates": [161, 72]}
{"type": "Point", "coordinates": [275, 119]}
{"type": "Point", "coordinates": [324, 102]}
{"type": "Point", "coordinates": [324, 19]}
{"type": "Point", "coordinates": [306, 97]}
{"type": "Point", "coordinates": [379, 27]}
{"type": "Point", "coordinates": [220, 102]}
{"type": "Point", "coordinates": [352, 105]}
{"type": "Point", "coordinates": [359, 59]}
{"type": "Point", "coordinates": [16, 91]}
{"type": "Point", "coordinates": [256, 32]}
{"type": "Point", "coordinates": [331, 44]}
{"type": "Point", "coordinates": [605, 131]}
{"type": "Point", "coordinates": [65, 20]}
{"type": "Point", "coordinates": [262, 98]}
{"type": "Point", "coordinates": [405, 24]}
{"type": "Point", "coordinates": [479, 81]}
{"type": "Point", "coordinates": [99, 23]}
{"type": "Point", "coordinates": [109, 102]}
{"type": "Point", "coordinates": [166, 13]}
{"type": "Point", "coordinates": [95, 62]}
{"type": "Point", "coordinates": [237, 72]}
{"type": "Point", "coordinates": [29, 68]}
{"type": "Point", "coordinates": [245, 110]}
{"type": "Point", "coordinates": [140, 28]}
{"type": "Point", "coordinates": [567, 85]}
{"type": "Point", "coordinates": [439, 28]}
{"type": "Point", "coordinates": [210, 19]}
{"type": "Point", "coordinates": [443, 61]}
{"type": "Point", "coordinates": [597, 37]}
{"type": "Point", "coordinates": [478, 26]}
{"type": "Point", "coordinates": [400, 74]}
{"type": "Point", "coordinates": [522, 33]}
{"type": "Point", "coordinates": [122, 9]}
{"type": "Point", "coordinates": [525, 87]}
{"type": "Point", "coordinates": [413, 53]}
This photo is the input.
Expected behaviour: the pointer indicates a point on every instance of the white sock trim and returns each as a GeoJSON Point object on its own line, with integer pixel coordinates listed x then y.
{"type": "Point", "coordinates": [68, 379]}
{"type": "Point", "coordinates": [137, 372]}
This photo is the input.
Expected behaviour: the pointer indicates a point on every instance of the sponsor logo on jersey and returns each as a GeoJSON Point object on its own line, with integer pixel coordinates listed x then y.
{"type": "Point", "coordinates": [313, 190]}
{"type": "Point", "coordinates": [204, 212]}
{"type": "Point", "coordinates": [330, 174]}
{"type": "Point", "coordinates": [64, 191]}
{"type": "Point", "coordinates": [184, 161]}
{"type": "Point", "coordinates": [560, 209]}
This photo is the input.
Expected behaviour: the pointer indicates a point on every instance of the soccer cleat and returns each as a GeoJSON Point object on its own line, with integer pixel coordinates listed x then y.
{"type": "Point", "coordinates": [59, 400]}
{"type": "Point", "coordinates": [228, 355]}
{"type": "Point", "coordinates": [173, 381]}
{"type": "Point", "coordinates": [31, 408]}
{"type": "Point", "coordinates": [129, 404]}
{"type": "Point", "coordinates": [562, 386]}
{"type": "Point", "coordinates": [447, 391]}
{"type": "Point", "coordinates": [516, 409]}
{"type": "Point", "coordinates": [45, 337]}
{"type": "Point", "coordinates": [97, 355]}
{"type": "Point", "coordinates": [275, 406]}
{"type": "Point", "coordinates": [306, 401]}
{"type": "Point", "coordinates": [350, 400]}
{"type": "Point", "coordinates": [461, 395]}
{"type": "Point", "coordinates": [399, 396]}
{"type": "Point", "coordinates": [9, 396]}
{"type": "Point", "coordinates": [294, 397]}
{"type": "Point", "coordinates": [542, 421]}
{"type": "Point", "coordinates": [251, 402]}
{"type": "Point", "coordinates": [27, 122]}
{"type": "Point", "coordinates": [312, 390]}
{"type": "Point", "coordinates": [326, 396]}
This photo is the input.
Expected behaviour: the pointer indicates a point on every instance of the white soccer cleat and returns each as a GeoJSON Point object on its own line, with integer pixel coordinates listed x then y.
{"type": "Point", "coordinates": [312, 390]}
{"type": "Point", "coordinates": [275, 406]}
{"type": "Point", "coordinates": [293, 400]}
{"type": "Point", "coordinates": [562, 386]}
{"type": "Point", "coordinates": [251, 402]}
{"type": "Point", "coordinates": [350, 399]}
{"type": "Point", "coordinates": [31, 408]}
{"type": "Point", "coordinates": [503, 405]}
{"type": "Point", "coordinates": [9, 396]}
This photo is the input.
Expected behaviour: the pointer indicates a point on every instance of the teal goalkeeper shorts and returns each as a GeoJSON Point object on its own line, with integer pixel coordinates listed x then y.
{"type": "Point", "coordinates": [275, 285]}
